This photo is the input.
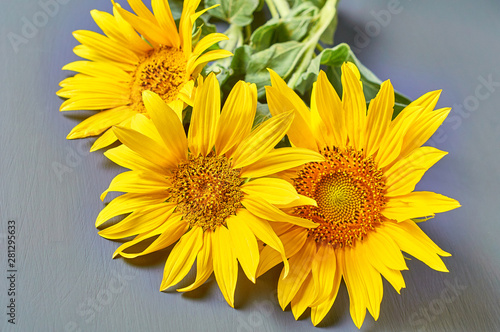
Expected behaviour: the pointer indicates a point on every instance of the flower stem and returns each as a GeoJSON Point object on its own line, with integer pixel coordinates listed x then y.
{"type": "Point", "coordinates": [282, 7]}
{"type": "Point", "coordinates": [272, 9]}
{"type": "Point", "coordinates": [326, 16]}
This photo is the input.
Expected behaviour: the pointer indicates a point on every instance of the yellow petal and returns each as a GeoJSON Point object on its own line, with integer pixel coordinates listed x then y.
{"type": "Point", "coordinates": [379, 117]}
{"type": "Point", "coordinates": [412, 228]}
{"type": "Point", "coordinates": [94, 102]}
{"type": "Point", "coordinates": [423, 129]}
{"type": "Point", "coordinates": [303, 115]}
{"type": "Point", "coordinates": [139, 221]}
{"type": "Point", "coordinates": [265, 233]}
{"type": "Point", "coordinates": [97, 69]}
{"type": "Point", "coordinates": [78, 85]}
{"type": "Point", "coordinates": [119, 31]}
{"type": "Point", "coordinates": [139, 182]}
{"type": "Point", "coordinates": [185, 25]}
{"type": "Point", "coordinates": [329, 107]}
{"type": "Point", "coordinates": [404, 175]}
{"type": "Point", "coordinates": [139, 239]}
{"type": "Point", "coordinates": [168, 124]}
{"type": "Point", "coordinates": [303, 200]}
{"type": "Point", "coordinates": [355, 287]}
{"type": "Point", "coordinates": [282, 101]}
{"type": "Point", "coordinates": [208, 41]}
{"type": "Point", "coordinates": [300, 267]}
{"type": "Point", "coordinates": [205, 116]}
{"type": "Point", "coordinates": [273, 190]}
{"type": "Point", "coordinates": [293, 241]}
{"type": "Point", "coordinates": [427, 101]}
{"type": "Point", "coordinates": [99, 122]}
{"type": "Point", "coordinates": [104, 140]}
{"type": "Point", "coordinates": [382, 248]}
{"type": "Point", "coordinates": [192, 65]}
{"type": "Point", "coordinates": [324, 269]}
{"type": "Point", "coordinates": [89, 53]}
{"type": "Point", "coordinates": [354, 105]}
{"type": "Point", "coordinates": [141, 10]}
{"type": "Point", "coordinates": [304, 297]}
{"type": "Point", "coordinates": [151, 31]}
{"type": "Point", "coordinates": [123, 156]}
{"type": "Point", "coordinates": [262, 140]}
{"type": "Point", "coordinates": [418, 204]}
{"type": "Point", "coordinates": [279, 160]}
{"type": "Point", "coordinates": [163, 14]}
{"type": "Point", "coordinates": [319, 311]}
{"type": "Point", "coordinates": [144, 125]}
{"type": "Point", "coordinates": [236, 117]}
{"type": "Point", "coordinates": [392, 141]}
{"type": "Point", "coordinates": [182, 257]}
{"type": "Point", "coordinates": [171, 231]}
{"type": "Point", "coordinates": [126, 203]}
{"type": "Point", "coordinates": [265, 210]}
{"type": "Point", "coordinates": [372, 281]}
{"type": "Point", "coordinates": [244, 245]}
{"type": "Point", "coordinates": [204, 263]}
{"type": "Point", "coordinates": [225, 264]}
{"type": "Point", "coordinates": [410, 244]}
{"type": "Point", "coordinates": [106, 47]}
{"type": "Point", "coordinates": [145, 147]}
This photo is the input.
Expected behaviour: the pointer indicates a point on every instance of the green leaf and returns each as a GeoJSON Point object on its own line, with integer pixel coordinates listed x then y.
{"type": "Point", "coordinates": [241, 59]}
{"type": "Point", "coordinates": [295, 26]}
{"type": "Point", "coordinates": [328, 34]}
{"type": "Point", "coordinates": [332, 59]}
{"type": "Point", "coordinates": [238, 12]}
{"type": "Point", "coordinates": [280, 57]}
{"type": "Point", "coordinates": [176, 8]}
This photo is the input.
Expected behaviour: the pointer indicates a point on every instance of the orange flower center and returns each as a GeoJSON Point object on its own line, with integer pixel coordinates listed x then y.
{"type": "Point", "coordinates": [162, 71]}
{"type": "Point", "coordinates": [348, 188]}
{"type": "Point", "coordinates": [207, 190]}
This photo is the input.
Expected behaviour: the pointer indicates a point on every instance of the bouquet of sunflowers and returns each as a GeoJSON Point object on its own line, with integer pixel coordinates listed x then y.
{"type": "Point", "coordinates": [259, 145]}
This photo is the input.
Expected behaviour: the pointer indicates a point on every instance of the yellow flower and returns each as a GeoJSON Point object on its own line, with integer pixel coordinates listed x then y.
{"type": "Point", "coordinates": [122, 65]}
{"type": "Point", "coordinates": [209, 189]}
{"type": "Point", "coordinates": [364, 193]}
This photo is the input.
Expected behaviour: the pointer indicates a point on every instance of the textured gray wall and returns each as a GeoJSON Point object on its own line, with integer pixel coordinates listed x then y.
{"type": "Point", "coordinates": [66, 278]}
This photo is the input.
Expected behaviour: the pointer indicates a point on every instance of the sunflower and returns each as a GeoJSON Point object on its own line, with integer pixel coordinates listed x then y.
{"type": "Point", "coordinates": [122, 64]}
{"type": "Point", "coordinates": [208, 190]}
{"type": "Point", "coordinates": [364, 194]}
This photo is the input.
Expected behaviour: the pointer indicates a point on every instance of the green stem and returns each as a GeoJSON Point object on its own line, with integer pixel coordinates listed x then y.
{"type": "Point", "coordinates": [282, 7]}
{"type": "Point", "coordinates": [248, 31]}
{"type": "Point", "coordinates": [272, 9]}
{"type": "Point", "coordinates": [326, 16]}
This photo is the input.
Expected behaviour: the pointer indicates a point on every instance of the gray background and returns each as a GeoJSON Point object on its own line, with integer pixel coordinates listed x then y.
{"type": "Point", "coordinates": [66, 277]}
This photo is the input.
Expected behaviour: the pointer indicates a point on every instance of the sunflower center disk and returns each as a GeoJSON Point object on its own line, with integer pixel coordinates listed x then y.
{"type": "Point", "coordinates": [206, 190]}
{"type": "Point", "coordinates": [162, 71]}
{"type": "Point", "coordinates": [348, 188]}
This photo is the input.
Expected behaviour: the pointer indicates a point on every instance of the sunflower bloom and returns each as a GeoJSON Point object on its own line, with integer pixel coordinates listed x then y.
{"type": "Point", "coordinates": [122, 65]}
{"type": "Point", "coordinates": [197, 189]}
{"type": "Point", "coordinates": [364, 192]}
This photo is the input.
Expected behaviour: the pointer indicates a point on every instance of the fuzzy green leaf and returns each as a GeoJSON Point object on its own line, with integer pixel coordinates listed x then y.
{"type": "Point", "coordinates": [295, 26]}
{"type": "Point", "coordinates": [238, 12]}
{"type": "Point", "coordinates": [332, 59]}
{"type": "Point", "coordinates": [280, 57]}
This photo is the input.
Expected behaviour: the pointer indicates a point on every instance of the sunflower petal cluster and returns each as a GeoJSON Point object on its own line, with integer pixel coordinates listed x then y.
{"type": "Point", "coordinates": [209, 190]}
{"type": "Point", "coordinates": [138, 52]}
{"type": "Point", "coordinates": [365, 194]}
